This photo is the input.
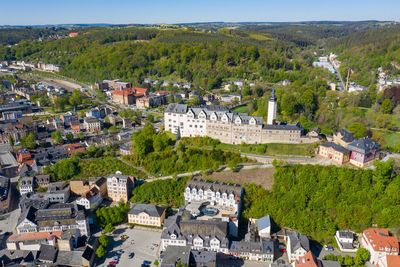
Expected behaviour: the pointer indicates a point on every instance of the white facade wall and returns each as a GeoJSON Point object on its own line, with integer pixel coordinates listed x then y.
{"type": "Point", "coordinates": [271, 112]}
{"type": "Point", "coordinates": [186, 125]}
{"type": "Point", "coordinates": [214, 198]}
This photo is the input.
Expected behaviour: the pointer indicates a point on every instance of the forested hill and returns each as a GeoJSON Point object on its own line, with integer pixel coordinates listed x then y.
{"type": "Point", "coordinates": [365, 51]}
{"type": "Point", "coordinates": [132, 54]}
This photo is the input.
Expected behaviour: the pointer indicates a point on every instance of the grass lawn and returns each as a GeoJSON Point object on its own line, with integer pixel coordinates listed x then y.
{"type": "Point", "coordinates": [242, 109]}
{"type": "Point", "coordinates": [272, 149]}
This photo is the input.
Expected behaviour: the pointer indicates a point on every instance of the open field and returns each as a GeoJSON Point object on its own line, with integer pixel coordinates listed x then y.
{"type": "Point", "coordinates": [272, 149]}
{"type": "Point", "coordinates": [242, 109]}
{"type": "Point", "coordinates": [261, 177]}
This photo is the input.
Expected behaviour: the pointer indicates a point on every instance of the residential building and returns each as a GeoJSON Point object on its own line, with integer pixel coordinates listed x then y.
{"type": "Point", "coordinates": [100, 183]}
{"type": "Point", "coordinates": [363, 151]}
{"type": "Point", "coordinates": [379, 243]}
{"type": "Point", "coordinates": [26, 185]}
{"type": "Point", "coordinates": [389, 261]}
{"type": "Point", "coordinates": [23, 156]}
{"type": "Point", "coordinates": [75, 126]}
{"type": "Point", "coordinates": [92, 124]}
{"type": "Point", "coordinates": [174, 254]}
{"type": "Point", "coordinates": [32, 241]}
{"type": "Point", "coordinates": [345, 241]}
{"type": "Point", "coordinates": [116, 84]}
{"type": "Point", "coordinates": [253, 246]}
{"type": "Point", "coordinates": [309, 260]}
{"type": "Point", "coordinates": [147, 214]}
{"type": "Point", "coordinates": [119, 187]}
{"type": "Point", "coordinates": [58, 192]}
{"type": "Point", "coordinates": [181, 230]}
{"type": "Point", "coordinates": [230, 98]}
{"type": "Point", "coordinates": [151, 101]}
{"type": "Point", "coordinates": [42, 180]}
{"type": "Point", "coordinates": [128, 96]}
{"type": "Point", "coordinates": [219, 123]}
{"type": "Point", "coordinates": [74, 148]}
{"type": "Point", "coordinates": [125, 149]}
{"type": "Point", "coordinates": [53, 217]}
{"type": "Point", "coordinates": [297, 245]}
{"type": "Point", "coordinates": [69, 116]}
{"type": "Point", "coordinates": [264, 226]}
{"type": "Point", "coordinates": [90, 199]}
{"type": "Point", "coordinates": [334, 152]}
{"type": "Point", "coordinates": [5, 195]}
{"type": "Point", "coordinates": [8, 165]}
{"type": "Point", "coordinates": [79, 187]}
{"type": "Point", "coordinates": [343, 138]}
{"type": "Point", "coordinates": [217, 194]}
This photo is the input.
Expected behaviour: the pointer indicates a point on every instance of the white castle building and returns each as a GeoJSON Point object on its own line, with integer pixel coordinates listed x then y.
{"type": "Point", "coordinates": [233, 128]}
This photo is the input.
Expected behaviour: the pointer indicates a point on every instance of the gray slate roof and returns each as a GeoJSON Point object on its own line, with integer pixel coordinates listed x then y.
{"type": "Point", "coordinates": [47, 253]}
{"type": "Point", "coordinates": [364, 145]}
{"type": "Point", "coordinates": [263, 222]}
{"type": "Point", "coordinates": [215, 186]}
{"type": "Point", "coordinates": [335, 147]}
{"type": "Point", "coordinates": [151, 210]}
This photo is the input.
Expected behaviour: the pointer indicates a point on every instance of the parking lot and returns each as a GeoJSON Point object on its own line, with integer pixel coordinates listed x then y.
{"type": "Point", "coordinates": [140, 242]}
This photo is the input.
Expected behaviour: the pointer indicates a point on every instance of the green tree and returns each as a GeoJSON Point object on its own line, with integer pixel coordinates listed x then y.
{"type": "Point", "coordinates": [156, 263]}
{"type": "Point", "coordinates": [104, 240]}
{"type": "Point", "coordinates": [70, 137]}
{"type": "Point", "coordinates": [28, 141]}
{"type": "Point", "coordinates": [76, 98]}
{"type": "Point", "coordinates": [384, 121]}
{"type": "Point", "coordinates": [348, 261]}
{"type": "Point", "coordinates": [66, 168]}
{"type": "Point", "coordinates": [386, 106]}
{"type": "Point", "coordinates": [56, 136]}
{"type": "Point", "coordinates": [150, 117]}
{"type": "Point", "coordinates": [112, 129]}
{"type": "Point", "coordinates": [358, 129]}
{"type": "Point", "coordinates": [101, 251]}
{"type": "Point", "coordinates": [362, 256]}
{"type": "Point", "coordinates": [11, 140]}
{"type": "Point", "coordinates": [109, 228]}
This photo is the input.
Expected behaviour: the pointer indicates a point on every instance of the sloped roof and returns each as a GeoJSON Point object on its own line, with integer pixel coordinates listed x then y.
{"type": "Point", "coordinates": [151, 210]}
{"type": "Point", "coordinates": [336, 147]}
{"type": "Point", "coordinates": [364, 145]}
{"type": "Point", "coordinates": [263, 222]}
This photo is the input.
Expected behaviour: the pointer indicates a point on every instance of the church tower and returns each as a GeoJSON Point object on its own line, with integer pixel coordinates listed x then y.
{"type": "Point", "coordinates": [272, 108]}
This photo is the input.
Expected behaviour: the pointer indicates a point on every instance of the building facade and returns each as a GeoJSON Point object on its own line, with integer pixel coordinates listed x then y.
{"type": "Point", "coordinates": [119, 187]}
{"type": "Point", "coordinates": [334, 152]}
{"type": "Point", "coordinates": [147, 214]}
{"type": "Point", "coordinates": [379, 244]}
{"type": "Point", "coordinates": [219, 123]}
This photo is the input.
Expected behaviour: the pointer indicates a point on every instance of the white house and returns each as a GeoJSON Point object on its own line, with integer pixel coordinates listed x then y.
{"type": "Point", "coordinates": [264, 227]}
{"type": "Point", "coordinates": [90, 199]}
{"type": "Point", "coordinates": [297, 245]}
{"type": "Point", "coordinates": [345, 240]}
{"type": "Point", "coordinates": [379, 243]}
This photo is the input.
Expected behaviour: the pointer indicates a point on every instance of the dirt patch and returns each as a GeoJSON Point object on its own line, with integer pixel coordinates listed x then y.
{"type": "Point", "coordinates": [261, 177]}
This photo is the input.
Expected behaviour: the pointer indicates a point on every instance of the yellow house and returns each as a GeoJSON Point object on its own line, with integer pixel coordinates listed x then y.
{"type": "Point", "coordinates": [147, 214]}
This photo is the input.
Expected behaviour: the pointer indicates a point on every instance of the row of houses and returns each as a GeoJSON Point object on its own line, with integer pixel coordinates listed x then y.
{"type": "Point", "coordinates": [346, 149]}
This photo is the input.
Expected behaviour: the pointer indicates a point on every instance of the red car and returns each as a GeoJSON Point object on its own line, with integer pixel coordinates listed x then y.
{"type": "Point", "coordinates": [112, 263]}
{"type": "Point", "coordinates": [283, 250]}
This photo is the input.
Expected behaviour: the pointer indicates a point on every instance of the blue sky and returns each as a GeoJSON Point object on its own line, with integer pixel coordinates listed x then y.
{"type": "Point", "coordinates": [28, 12]}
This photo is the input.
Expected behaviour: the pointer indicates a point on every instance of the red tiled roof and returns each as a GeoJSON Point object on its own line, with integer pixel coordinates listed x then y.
{"type": "Point", "coordinates": [33, 236]}
{"type": "Point", "coordinates": [91, 193]}
{"type": "Point", "coordinates": [308, 260]}
{"type": "Point", "coordinates": [393, 260]}
{"type": "Point", "coordinates": [162, 93]}
{"type": "Point", "coordinates": [380, 239]}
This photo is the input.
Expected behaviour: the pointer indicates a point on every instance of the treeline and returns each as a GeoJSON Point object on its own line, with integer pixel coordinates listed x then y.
{"type": "Point", "coordinates": [154, 151]}
{"type": "Point", "coordinates": [318, 200]}
{"type": "Point", "coordinates": [366, 51]}
{"type": "Point", "coordinates": [161, 192]}
{"type": "Point", "coordinates": [203, 59]}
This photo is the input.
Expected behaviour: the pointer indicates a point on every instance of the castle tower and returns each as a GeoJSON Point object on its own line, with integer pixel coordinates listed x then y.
{"type": "Point", "coordinates": [272, 108]}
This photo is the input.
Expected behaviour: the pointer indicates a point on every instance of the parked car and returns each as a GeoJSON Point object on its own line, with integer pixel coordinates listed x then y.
{"type": "Point", "coordinates": [283, 250]}
{"type": "Point", "coordinates": [120, 251]}
{"type": "Point", "coordinates": [131, 255]}
{"type": "Point", "coordinates": [146, 262]}
{"type": "Point", "coordinates": [281, 246]}
{"type": "Point", "coordinates": [112, 263]}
